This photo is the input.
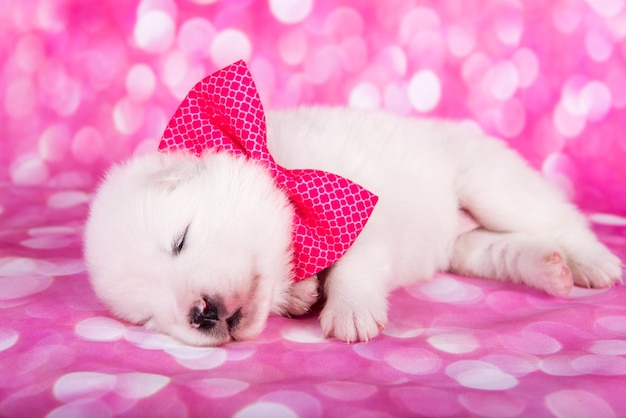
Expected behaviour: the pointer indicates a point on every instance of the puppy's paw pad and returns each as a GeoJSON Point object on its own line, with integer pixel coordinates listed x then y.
{"type": "Point", "coordinates": [560, 284]}
{"type": "Point", "coordinates": [302, 295]}
{"type": "Point", "coordinates": [550, 273]}
{"type": "Point", "coordinates": [351, 325]}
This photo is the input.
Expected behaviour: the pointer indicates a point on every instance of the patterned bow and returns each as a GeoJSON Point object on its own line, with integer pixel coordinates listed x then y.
{"type": "Point", "coordinates": [224, 112]}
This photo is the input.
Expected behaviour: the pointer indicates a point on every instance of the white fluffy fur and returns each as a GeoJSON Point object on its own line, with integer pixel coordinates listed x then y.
{"type": "Point", "coordinates": [237, 250]}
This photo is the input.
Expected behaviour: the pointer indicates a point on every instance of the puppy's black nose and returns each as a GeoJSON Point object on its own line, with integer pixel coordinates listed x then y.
{"type": "Point", "coordinates": [204, 317]}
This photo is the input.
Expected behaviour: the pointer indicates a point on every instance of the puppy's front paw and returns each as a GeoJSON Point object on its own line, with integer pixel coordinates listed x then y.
{"type": "Point", "coordinates": [352, 322]}
{"type": "Point", "coordinates": [302, 295]}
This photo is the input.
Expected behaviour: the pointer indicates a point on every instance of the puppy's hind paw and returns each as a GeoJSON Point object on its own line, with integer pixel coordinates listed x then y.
{"type": "Point", "coordinates": [352, 324]}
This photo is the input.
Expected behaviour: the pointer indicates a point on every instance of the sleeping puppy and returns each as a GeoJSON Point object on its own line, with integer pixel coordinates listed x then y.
{"type": "Point", "coordinates": [201, 249]}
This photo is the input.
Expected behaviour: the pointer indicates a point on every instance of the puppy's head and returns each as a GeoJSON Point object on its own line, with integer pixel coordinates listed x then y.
{"type": "Point", "coordinates": [197, 248]}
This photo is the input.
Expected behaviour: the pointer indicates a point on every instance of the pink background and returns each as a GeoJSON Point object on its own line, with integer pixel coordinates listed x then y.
{"type": "Point", "coordinates": [87, 83]}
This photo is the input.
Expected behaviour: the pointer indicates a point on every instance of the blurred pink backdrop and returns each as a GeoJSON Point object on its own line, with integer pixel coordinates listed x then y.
{"type": "Point", "coordinates": [86, 83]}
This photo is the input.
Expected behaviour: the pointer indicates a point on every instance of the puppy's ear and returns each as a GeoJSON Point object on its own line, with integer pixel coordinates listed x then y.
{"type": "Point", "coordinates": [176, 172]}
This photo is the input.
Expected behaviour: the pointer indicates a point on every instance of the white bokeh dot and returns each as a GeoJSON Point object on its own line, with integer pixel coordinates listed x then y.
{"type": "Point", "coordinates": [266, 409]}
{"type": "Point", "coordinates": [596, 99]}
{"type": "Point", "coordinates": [527, 65]}
{"type": "Point", "coordinates": [293, 46]}
{"type": "Point", "coordinates": [10, 288]}
{"type": "Point", "coordinates": [67, 199]}
{"type": "Point", "coordinates": [606, 8]}
{"type": "Point", "coordinates": [424, 91]}
{"type": "Point", "coordinates": [304, 404]}
{"type": "Point", "coordinates": [510, 118]}
{"type": "Point", "coordinates": [80, 385]}
{"type": "Point", "coordinates": [396, 99]}
{"type": "Point", "coordinates": [140, 82]}
{"type": "Point", "coordinates": [87, 145]}
{"type": "Point", "coordinates": [609, 347]}
{"type": "Point", "coordinates": [446, 289]}
{"type": "Point", "coordinates": [493, 404]}
{"type": "Point", "coordinates": [29, 170]}
{"type": "Point", "coordinates": [456, 343]}
{"type": "Point", "coordinates": [20, 98]}
{"type": "Point", "coordinates": [17, 266]}
{"type": "Point", "coordinates": [515, 364]}
{"type": "Point", "coordinates": [54, 142]}
{"type": "Point", "coordinates": [230, 45]}
{"type": "Point", "coordinates": [600, 364]}
{"type": "Point", "coordinates": [559, 365]}
{"type": "Point", "coordinates": [559, 170]}
{"type": "Point", "coordinates": [509, 22]}
{"type": "Point", "coordinates": [291, 11]}
{"type": "Point", "coordinates": [502, 80]}
{"type": "Point", "coordinates": [174, 69]}
{"type": "Point", "coordinates": [607, 219]}
{"type": "Point", "coordinates": [365, 96]}
{"type": "Point", "coordinates": [418, 22]}
{"type": "Point", "coordinates": [195, 36]}
{"type": "Point", "coordinates": [92, 408]}
{"type": "Point", "coordinates": [30, 52]}
{"type": "Point", "coordinates": [128, 115]}
{"type": "Point", "coordinates": [77, 385]}
{"type": "Point", "coordinates": [60, 267]}
{"type": "Point", "coordinates": [100, 329]}
{"type": "Point", "coordinates": [154, 31]}
{"type": "Point", "coordinates": [477, 374]}
{"type": "Point", "coordinates": [530, 342]}
{"type": "Point", "coordinates": [322, 64]}
{"type": "Point", "coordinates": [614, 325]}
{"type": "Point", "coordinates": [424, 401]}
{"type": "Point", "coordinates": [575, 403]}
{"type": "Point", "coordinates": [194, 358]}
{"type": "Point", "coordinates": [203, 359]}
{"type": "Point", "coordinates": [566, 123]}
{"type": "Point", "coordinates": [137, 385]}
{"type": "Point", "coordinates": [598, 45]}
{"type": "Point", "coordinates": [217, 387]}
{"type": "Point", "coordinates": [414, 361]}
{"type": "Point", "coordinates": [306, 333]}
{"type": "Point", "coordinates": [461, 40]}
{"type": "Point", "coordinates": [8, 338]}
{"type": "Point", "coordinates": [346, 391]}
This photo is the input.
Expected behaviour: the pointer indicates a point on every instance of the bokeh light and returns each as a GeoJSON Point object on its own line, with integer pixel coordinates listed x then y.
{"type": "Point", "coordinates": [112, 75]}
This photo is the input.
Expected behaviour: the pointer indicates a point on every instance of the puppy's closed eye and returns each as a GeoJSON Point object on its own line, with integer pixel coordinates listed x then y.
{"type": "Point", "coordinates": [179, 243]}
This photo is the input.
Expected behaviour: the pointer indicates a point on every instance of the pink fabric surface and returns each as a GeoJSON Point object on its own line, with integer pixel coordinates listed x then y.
{"type": "Point", "coordinates": [84, 84]}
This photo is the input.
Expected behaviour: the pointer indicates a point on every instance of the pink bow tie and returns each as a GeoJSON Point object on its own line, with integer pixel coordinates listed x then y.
{"type": "Point", "coordinates": [224, 112]}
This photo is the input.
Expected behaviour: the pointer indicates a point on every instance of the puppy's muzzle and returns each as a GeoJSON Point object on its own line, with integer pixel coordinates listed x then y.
{"type": "Point", "coordinates": [208, 314]}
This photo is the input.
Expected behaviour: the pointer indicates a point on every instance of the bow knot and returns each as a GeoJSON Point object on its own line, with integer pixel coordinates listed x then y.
{"type": "Point", "coordinates": [224, 112]}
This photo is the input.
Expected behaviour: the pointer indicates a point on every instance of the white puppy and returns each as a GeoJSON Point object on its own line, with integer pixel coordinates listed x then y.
{"type": "Point", "coordinates": [200, 248]}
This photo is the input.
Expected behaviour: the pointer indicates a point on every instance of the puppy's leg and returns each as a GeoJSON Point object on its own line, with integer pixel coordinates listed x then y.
{"type": "Point", "coordinates": [356, 292]}
{"type": "Point", "coordinates": [516, 257]}
{"type": "Point", "coordinates": [505, 195]}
